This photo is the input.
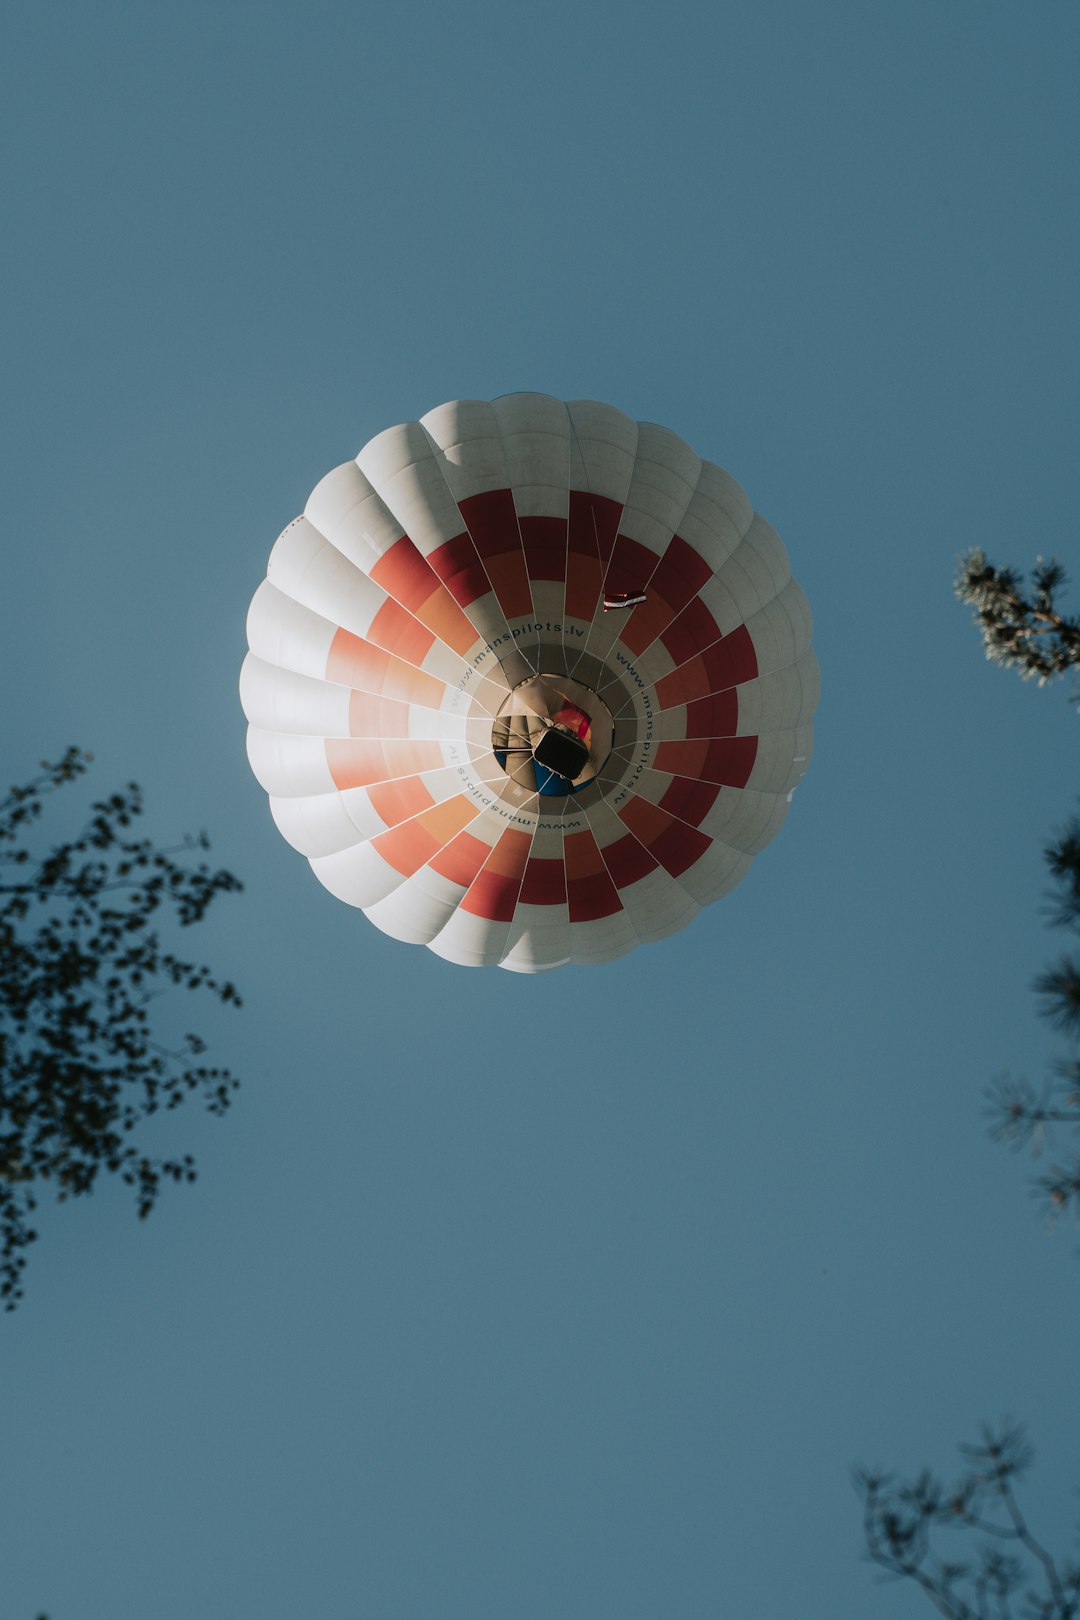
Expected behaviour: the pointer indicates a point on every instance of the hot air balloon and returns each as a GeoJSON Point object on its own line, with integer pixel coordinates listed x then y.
{"type": "Point", "coordinates": [529, 682]}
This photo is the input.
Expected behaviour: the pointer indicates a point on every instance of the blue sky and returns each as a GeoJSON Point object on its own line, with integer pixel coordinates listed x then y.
{"type": "Point", "coordinates": [440, 1333]}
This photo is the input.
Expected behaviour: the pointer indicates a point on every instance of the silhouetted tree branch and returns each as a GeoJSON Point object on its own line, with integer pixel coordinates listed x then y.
{"type": "Point", "coordinates": [905, 1522]}
{"type": "Point", "coordinates": [1025, 632]}
{"type": "Point", "coordinates": [79, 967]}
{"type": "Point", "coordinates": [1023, 1114]}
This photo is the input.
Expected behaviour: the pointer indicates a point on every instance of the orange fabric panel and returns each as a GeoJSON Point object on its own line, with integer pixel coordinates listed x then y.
{"type": "Point", "coordinates": [728, 760]}
{"type": "Point", "coordinates": [397, 631]}
{"type": "Point", "coordinates": [511, 852]}
{"type": "Point", "coordinates": [590, 892]}
{"type": "Point", "coordinates": [403, 573]}
{"type": "Point", "coordinates": [584, 577]}
{"type": "Point", "coordinates": [683, 758]}
{"type": "Point", "coordinates": [410, 846]}
{"type": "Point", "coordinates": [398, 801]}
{"type": "Point", "coordinates": [442, 615]}
{"type": "Point", "coordinates": [645, 623]}
{"type": "Point", "coordinates": [683, 685]}
{"type": "Point", "coordinates": [510, 583]}
{"type": "Point", "coordinates": [494, 891]}
{"type": "Point", "coordinates": [444, 821]}
{"type": "Point", "coordinates": [461, 859]}
{"type": "Point", "coordinates": [354, 662]}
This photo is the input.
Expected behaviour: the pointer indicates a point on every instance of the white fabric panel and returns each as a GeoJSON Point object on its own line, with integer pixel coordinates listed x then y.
{"type": "Point", "coordinates": [782, 758]}
{"type": "Point", "coordinates": [762, 542]}
{"type": "Point", "coordinates": [418, 908]}
{"type": "Point", "coordinates": [289, 765]}
{"type": "Point", "coordinates": [602, 940]}
{"type": "Point", "coordinates": [716, 874]}
{"type": "Point", "coordinates": [781, 631]}
{"type": "Point", "coordinates": [718, 516]}
{"type": "Point", "coordinates": [745, 819]}
{"type": "Point", "coordinates": [280, 700]}
{"type": "Point", "coordinates": [358, 874]}
{"type": "Point", "coordinates": [282, 632]}
{"type": "Point", "coordinates": [658, 905]}
{"type": "Point", "coordinates": [783, 700]}
{"type": "Point", "coordinates": [535, 432]}
{"type": "Point", "coordinates": [344, 507]}
{"type": "Point", "coordinates": [538, 939]}
{"type": "Point", "coordinates": [465, 434]}
{"type": "Point", "coordinates": [308, 568]}
{"type": "Point", "coordinates": [318, 825]}
{"type": "Point", "coordinates": [666, 472]}
{"type": "Point", "coordinates": [403, 468]}
{"type": "Point", "coordinates": [471, 941]}
{"type": "Point", "coordinates": [602, 450]}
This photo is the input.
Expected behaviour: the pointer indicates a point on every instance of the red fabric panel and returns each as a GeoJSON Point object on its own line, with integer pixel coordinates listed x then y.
{"type": "Point", "coordinates": [544, 883]}
{"type": "Point", "coordinates": [544, 540]}
{"type": "Point", "coordinates": [589, 890]}
{"type": "Point", "coordinates": [627, 860]}
{"type": "Point", "coordinates": [630, 568]}
{"type": "Point", "coordinates": [689, 800]}
{"type": "Point", "coordinates": [693, 629]}
{"type": "Point", "coordinates": [729, 760]}
{"type": "Point", "coordinates": [731, 661]}
{"type": "Point", "coordinates": [680, 573]}
{"type": "Point", "coordinates": [493, 525]}
{"type": "Point", "coordinates": [675, 845]}
{"type": "Point", "coordinates": [593, 526]}
{"type": "Point", "coordinates": [460, 569]}
{"type": "Point", "coordinates": [355, 763]}
{"type": "Point", "coordinates": [715, 716]}
{"type": "Point", "coordinates": [494, 891]}
{"type": "Point", "coordinates": [405, 574]}
{"type": "Point", "coordinates": [461, 859]}
{"type": "Point", "coordinates": [492, 521]}
{"type": "Point", "coordinates": [354, 662]}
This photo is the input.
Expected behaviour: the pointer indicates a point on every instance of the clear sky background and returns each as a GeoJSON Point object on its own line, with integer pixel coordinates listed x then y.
{"type": "Point", "coordinates": [446, 1330]}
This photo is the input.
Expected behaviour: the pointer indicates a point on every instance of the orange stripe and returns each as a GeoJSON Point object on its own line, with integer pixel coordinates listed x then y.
{"type": "Point", "coordinates": [354, 662]}
{"type": "Point", "coordinates": [409, 847]}
{"type": "Point", "coordinates": [398, 801]}
{"type": "Point", "coordinates": [462, 859]}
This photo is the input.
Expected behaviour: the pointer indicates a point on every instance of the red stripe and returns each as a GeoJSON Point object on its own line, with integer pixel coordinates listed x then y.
{"type": "Point", "coordinates": [693, 629]}
{"type": "Point", "coordinates": [689, 800]}
{"type": "Point", "coordinates": [627, 860]}
{"type": "Point", "coordinates": [630, 569]}
{"type": "Point", "coordinates": [460, 569]}
{"type": "Point", "coordinates": [715, 716]}
{"type": "Point", "coordinates": [405, 574]}
{"type": "Point", "coordinates": [494, 891]}
{"type": "Point", "coordinates": [590, 892]}
{"type": "Point", "coordinates": [728, 760]}
{"type": "Point", "coordinates": [675, 845]}
{"type": "Point", "coordinates": [544, 883]}
{"type": "Point", "coordinates": [544, 542]}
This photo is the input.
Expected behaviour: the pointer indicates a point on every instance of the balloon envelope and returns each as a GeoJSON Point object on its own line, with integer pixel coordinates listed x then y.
{"type": "Point", "coordinates": [529, 682]}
